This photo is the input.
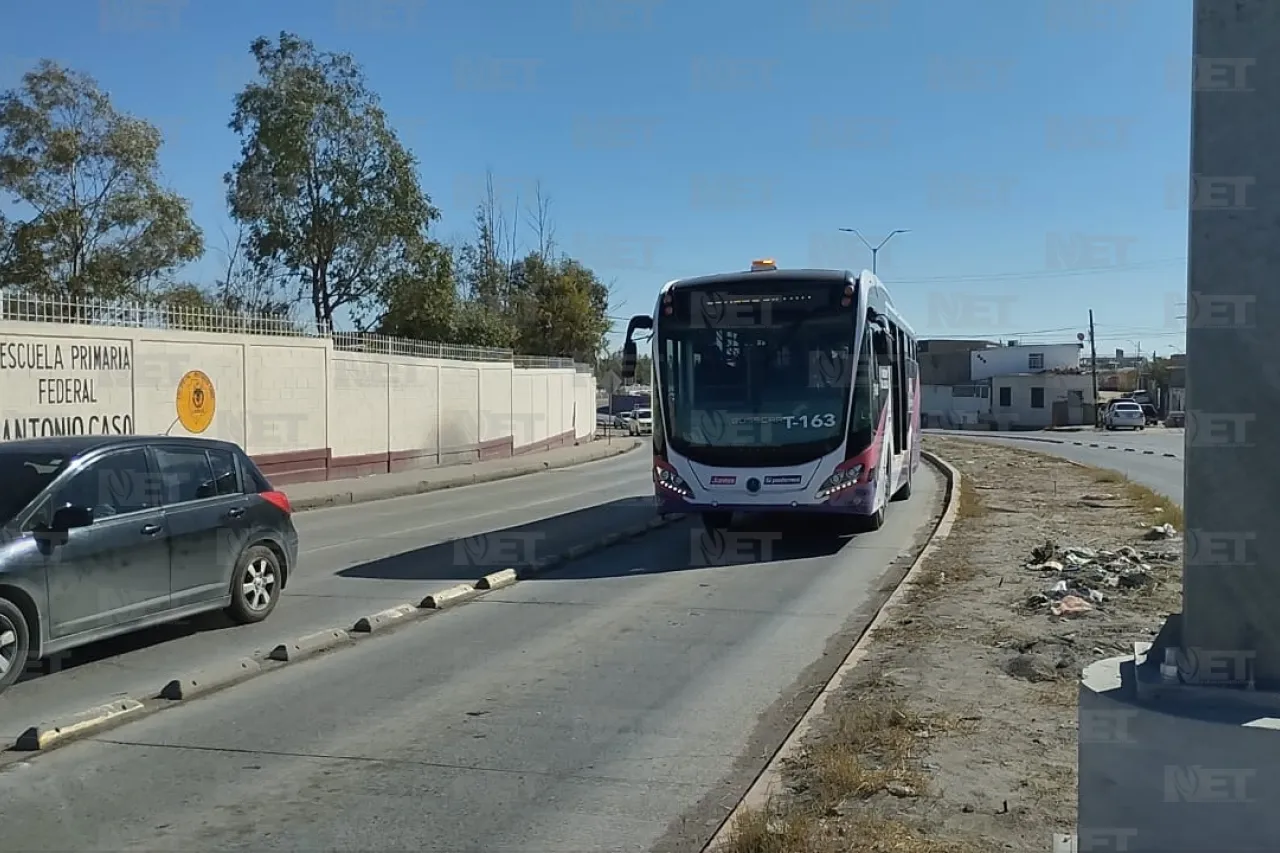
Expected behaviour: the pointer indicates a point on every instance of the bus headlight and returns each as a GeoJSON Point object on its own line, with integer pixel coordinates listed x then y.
{"type": "Point", "coordinates": [842, 479]}
{"type": "Point", "coordinates": [671, 481]}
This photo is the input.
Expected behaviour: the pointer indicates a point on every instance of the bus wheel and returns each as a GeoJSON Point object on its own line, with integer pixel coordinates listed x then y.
{"type": "Point", "coordinates": [714, 521]}
{"type": "Point", "coordinates": [904, 493]}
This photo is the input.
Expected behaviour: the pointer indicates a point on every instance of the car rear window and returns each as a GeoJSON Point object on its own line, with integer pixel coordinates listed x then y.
{"type": "Point", "coordinates": [255, 480]}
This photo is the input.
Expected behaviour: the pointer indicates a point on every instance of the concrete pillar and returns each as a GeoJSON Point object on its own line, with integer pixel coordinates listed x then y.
{"type": "Point", "coordinates": [1231, 582]}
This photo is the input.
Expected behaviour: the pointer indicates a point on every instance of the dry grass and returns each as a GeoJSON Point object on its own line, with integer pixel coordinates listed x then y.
{"type": "Point", "coordinates": [898, 762]}
{"type": "Point", "coordinates": [1158, 508]}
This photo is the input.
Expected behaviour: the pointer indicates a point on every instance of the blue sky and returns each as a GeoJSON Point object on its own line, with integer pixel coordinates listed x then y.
{"type": "Point", "coordinates": [1037, 151]}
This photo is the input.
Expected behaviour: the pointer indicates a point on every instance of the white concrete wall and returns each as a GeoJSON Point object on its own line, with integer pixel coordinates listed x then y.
{"type": "Point", "coordinates": [280, 394]}
{"type": "Point", "coordinates": [941, 408]}
{"type": "Point", "coordinates": [1001, 361]}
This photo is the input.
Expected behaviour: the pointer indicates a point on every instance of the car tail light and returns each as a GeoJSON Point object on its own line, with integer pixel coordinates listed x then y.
{"type": "Point", "coordinates": [279, 500]}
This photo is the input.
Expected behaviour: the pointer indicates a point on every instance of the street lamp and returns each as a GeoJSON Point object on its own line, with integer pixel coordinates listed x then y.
{"type": "Point", "coordinates": [875, 250]}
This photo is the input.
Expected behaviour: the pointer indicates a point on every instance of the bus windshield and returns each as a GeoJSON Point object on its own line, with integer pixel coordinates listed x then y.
{"type": "Point", "coordinates": [772, 377]}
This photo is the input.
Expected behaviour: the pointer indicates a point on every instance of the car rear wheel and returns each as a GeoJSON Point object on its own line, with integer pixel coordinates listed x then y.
{"type": "Point", "coordinates": [255, 585]}
{"type": "Point", "coordinates": [15, 643]}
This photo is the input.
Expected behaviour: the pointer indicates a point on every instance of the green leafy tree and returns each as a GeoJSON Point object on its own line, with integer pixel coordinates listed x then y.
{"type": "Point", "coordinates": [96, 221]}
{"type": "Point", "coordinates": [421, 300]}
{"type": "Point", "coordinates": [326, 189]}
{"type": "Point", "coordinates": [563, 310]}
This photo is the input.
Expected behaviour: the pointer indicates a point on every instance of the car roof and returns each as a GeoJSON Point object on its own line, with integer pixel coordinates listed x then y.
{"type": "Point", "coordinates": [81, 445]}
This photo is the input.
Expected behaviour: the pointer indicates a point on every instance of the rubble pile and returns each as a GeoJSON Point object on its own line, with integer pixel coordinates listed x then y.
{"type": "Point", "coordinates": [1080, 579]}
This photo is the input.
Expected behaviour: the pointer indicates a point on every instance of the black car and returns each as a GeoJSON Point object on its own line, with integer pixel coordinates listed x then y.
{"type": "Point", "coordinates": [101, 535]}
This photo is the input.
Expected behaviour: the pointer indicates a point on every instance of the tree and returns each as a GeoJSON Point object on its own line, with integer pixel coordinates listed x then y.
{"type": "Point", "coordinates": [421, 300]}
{"type": "Point", "coordinates": [102, 225]}
{"type": "Point", "coordinates": [564, 311]}
{"type": "Point", "coordinates": [325, 187]}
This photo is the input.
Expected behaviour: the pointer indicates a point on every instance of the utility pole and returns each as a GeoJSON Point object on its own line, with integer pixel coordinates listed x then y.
{"type": "Point", "coordinates": [875, 250]}
{"type": "Point", "coordinates": [1232, 472]}
{"type": "Point", "coordinates": [1093, 364]}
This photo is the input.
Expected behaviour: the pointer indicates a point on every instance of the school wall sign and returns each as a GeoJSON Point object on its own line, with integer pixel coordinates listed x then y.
{"type": "Point", "coordinates": [65, 386]}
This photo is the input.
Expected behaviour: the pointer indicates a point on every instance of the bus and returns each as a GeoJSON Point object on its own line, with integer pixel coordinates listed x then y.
{"type": "Point", "coordinates": [781, 391]}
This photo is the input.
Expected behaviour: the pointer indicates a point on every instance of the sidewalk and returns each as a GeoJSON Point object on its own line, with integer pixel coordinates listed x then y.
{"type": "Point", "coordinates": [378, 487]}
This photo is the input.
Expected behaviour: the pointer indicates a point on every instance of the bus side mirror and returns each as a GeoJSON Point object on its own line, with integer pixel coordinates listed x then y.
{"type": "Point", "coordinates": [629, 361]}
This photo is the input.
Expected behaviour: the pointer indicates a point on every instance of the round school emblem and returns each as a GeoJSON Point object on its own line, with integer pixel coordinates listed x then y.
{"type": "Point", "coordinates": [196, 402]}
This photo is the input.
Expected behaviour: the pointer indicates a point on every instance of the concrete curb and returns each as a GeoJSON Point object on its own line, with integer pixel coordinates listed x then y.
{"type": "Point", "coordinates": [50, 734]}
{"type": "Point", "coordinates": [309, 644]}
{"type": "Point", "coordinates": [211, 679]}
{"type": "Point", "coordinates": [453, 480]}
{"type": "Point", "coordinates": [1013, 436]}
{"type": "Point", "coordinates": [46, 735]}
{"type": "Point", "coordinates": [381, 619]}
{"type": "Point", "coordinates": [449, 597]}
{"type": "Point", "coordinates": [497, 580]}
{"type": "Point", "coordinates": [770, 780]}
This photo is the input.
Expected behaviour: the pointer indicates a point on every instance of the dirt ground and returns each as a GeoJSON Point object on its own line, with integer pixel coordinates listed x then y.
{"type": "Point", "coordinates": [958, 732]}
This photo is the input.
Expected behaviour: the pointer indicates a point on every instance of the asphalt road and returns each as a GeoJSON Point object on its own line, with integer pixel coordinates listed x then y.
{"type": "Point", "coordinates": [1138, 455]}
{"type": "Point", "coordinates": [621, 703]}
{"type": "Point", "coordinates": [357, 560]}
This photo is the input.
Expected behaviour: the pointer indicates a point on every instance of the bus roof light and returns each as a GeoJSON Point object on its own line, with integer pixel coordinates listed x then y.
{"type": "Point", "coordinates": [764, 264]}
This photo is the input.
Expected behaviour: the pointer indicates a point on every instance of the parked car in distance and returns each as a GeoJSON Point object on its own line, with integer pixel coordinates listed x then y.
{"type": "Point", "coordinates": [103, 535]}
{"type": "Point", "coordinates": [641, 422]}
{"type": "Point", "coordinates": [1124, 414]}
{"type": "Point", "coordinates": [1152, 415]}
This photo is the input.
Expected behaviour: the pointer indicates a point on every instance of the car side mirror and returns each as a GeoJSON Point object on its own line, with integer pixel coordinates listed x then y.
{"type": "Point", "coordinates": [69, 518]}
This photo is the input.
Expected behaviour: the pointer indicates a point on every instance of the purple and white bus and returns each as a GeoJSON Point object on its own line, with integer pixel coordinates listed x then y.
{"type": "Point", "coordinates": [781, 391]}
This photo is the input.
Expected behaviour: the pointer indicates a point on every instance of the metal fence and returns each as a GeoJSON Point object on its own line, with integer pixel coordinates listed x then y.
{"type": "Point", "coordinates": [181, 318]}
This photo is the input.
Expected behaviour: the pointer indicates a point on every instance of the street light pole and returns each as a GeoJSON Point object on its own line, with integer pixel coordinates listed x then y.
{"type": "Point", "coordinates": [875, 250]}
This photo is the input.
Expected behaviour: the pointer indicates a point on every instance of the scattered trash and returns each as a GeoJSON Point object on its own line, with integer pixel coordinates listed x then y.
{"type": "Point", "coordinates": [1162, 531]}
{"type": "Point", "coordinates": [1083, 578]}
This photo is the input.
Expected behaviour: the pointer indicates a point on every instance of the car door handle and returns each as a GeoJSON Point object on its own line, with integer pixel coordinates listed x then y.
{"type": "Point", "coordinates": [150, 529]}
{"type": "Point", "coordinates": [235, 512]}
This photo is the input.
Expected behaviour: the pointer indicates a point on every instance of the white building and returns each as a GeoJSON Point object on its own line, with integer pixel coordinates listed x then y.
{"type": "Point", "coordinates": [1024, 358]}
{"type": "Point", "coordinates": [1039, 400]}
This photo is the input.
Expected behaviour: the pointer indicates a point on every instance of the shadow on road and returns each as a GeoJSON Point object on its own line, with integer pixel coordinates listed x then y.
{"type": "Point", "coordinates": [686, 546]}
